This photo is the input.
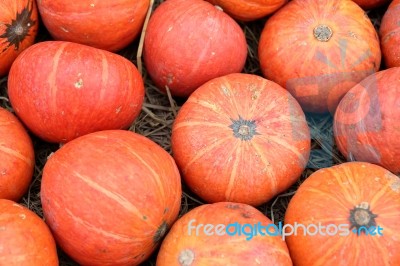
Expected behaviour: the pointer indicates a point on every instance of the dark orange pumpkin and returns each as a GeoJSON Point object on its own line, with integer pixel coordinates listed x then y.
{"type": "Point", "coordinates": [16, 157]}
{"type": "Point", "coordinates": [63, 90]}
{"type": "Point", "coordinates": [25, 239]}
{"type": "Point", "coordinates": [108, 25]}
{"type": "Point", "coordinates": [356, 207]}
{"type": "Point", "coordinates": [18, 29]}
{"type": "Point", "coordinates": [370, 4]}
{"type": "Point", "coordinates": [204, 236]}
{"type": "Point", "coordinates": [110, 196]}
{"type": "Point", "coordinates": [189, 42]}
{"type": "Point", "coordinates": [248, 10]}
{"type": "Point", "coordinates": [367, 121]}
{"type": "Point", "coordinates": [390, 35]}
{"type": "Point", "coordinates": [240, 138]}
{"type": "Point", "coordinates": [318, 50]}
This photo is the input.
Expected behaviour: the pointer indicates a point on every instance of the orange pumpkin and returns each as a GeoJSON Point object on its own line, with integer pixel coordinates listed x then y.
{"type": "Point", "coordinates": [110, 196]}
{"type": "Point", "coordinates": [17, 158]}
{"type": "Point", "coordinates": [390, 35]}
{"type": "Point", "coordinates": [356, 206]}
{"type": "Point", "coordinates": [18, 28]}
{"type": "Point", "coordinates": [248, 10]}
{"type": "Point", "coordinates": [367, 121]}
{"type": "Point", "coordinates": [204, 236]}
{"type": "Point", "coordinates": [240, 138]}
{"type": "Point", "coordinates": [108, 25]}
{"type": "Point", "coordinates": [63, 90]}
{"type": "Point", "coordinates": [25, 239]}
{"type": "Point", "coordinates": [371, 4]}
{"type": "Point", "coordinates": [318, 50]}
{"type": "Point", "coordinates": [189, 42]}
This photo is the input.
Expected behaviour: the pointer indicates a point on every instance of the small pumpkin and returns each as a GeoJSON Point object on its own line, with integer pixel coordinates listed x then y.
{"type": "Point", "coordinates": [371, 4]}
{"type": "Point", "coordinates": [25, 239]}
{"type": "Point", "coordinates": [319, 50]}
{"type": "Point", "coordinates": [367, 121]}
{"type": "Point", "coordinates": [108, 25]}
{"type": "Point", "coordinates": [189, 42]}
{"type": "Point", "coordinates": [63, 90]}
{"type": "Point", "coordinates": [249, 10]}
{"type": "Point", "coordinates": [356, 205]}
{"type": "Point", "coordinates": [203, 237]}
{"type": "Point", "coordinates": [390, 35]}
{"type": "Point", "coordinates": [240, 138]}
{"type": "Point", "coordinates": [110, 196]}
{"type": "Point", "coordinates": [18, 30]}
{"type": "Point", "coordinates": [17, 158]}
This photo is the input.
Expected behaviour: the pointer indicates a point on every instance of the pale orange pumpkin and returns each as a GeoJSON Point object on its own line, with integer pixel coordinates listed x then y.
{"type": "Point", "coordinates": [318, 50]}
{"type": "Point", "coordinates": [240, 138]}
{"type": "Point", "coordinates": [367, 121]}
{"type": "Point", "coordinates": [109, 197]}
{"type": "Point", "coordinates": [355, 200]}
{"type": "Point", "coordinates": [200, 237]}
{"type": "Point", "coordinates": [248, 10]}
{"type": "Point", "coordinates": [17, 158]}
{"type": "Point", "coordinates": [390, 35]}
{"type": "Point", "coordinates": [25, 238]}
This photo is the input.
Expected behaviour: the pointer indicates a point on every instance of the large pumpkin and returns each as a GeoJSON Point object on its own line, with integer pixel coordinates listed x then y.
{"type": "Point", "coordinates": [240, 138]}
{"type": "Point", "coordinates": [18, 29]}
{"type": "Point", "coordinates": [248, 10]}
{"type": "Point", "coordinates": [109, 25]}
{"type": "Point", "coordinates": [390, 35]}
{"type": "Point", "coordinates": [63, 90]}
{"type": "Point", "coordinates": [222, 234]}
{"type": "Point", "coordinates": [370, 4]}
{"type": "Point", "coordinates": [356, 207]}
{"type": "Point", "coordinates": [189, 42]}
{"type": "Point", "coordinates": [16, 157]}
{"type": "Point", "coordinates": [25, 239]}
{"type": "Point", "coordinates": [110, 196]}
{"type": "Point", "coordinates": [367, 121]}
{"type": "Point", "coordinates": [318, 50]}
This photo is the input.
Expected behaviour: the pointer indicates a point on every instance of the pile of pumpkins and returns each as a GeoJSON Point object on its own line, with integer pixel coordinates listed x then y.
{"type": "Point", "coordinates": [112, 197]}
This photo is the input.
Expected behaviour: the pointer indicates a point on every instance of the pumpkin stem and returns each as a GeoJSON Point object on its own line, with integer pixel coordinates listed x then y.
{"type": "Point", "coordinates": [244, 129]}
{"type": "Point", "coordinates": [361, 216]}
{"type": "Point", "coordinates": [16, 31]}
{"type": "Point", "coordinates": [186, 257]}
{"type": "Point", "coordinates": [323, 33]}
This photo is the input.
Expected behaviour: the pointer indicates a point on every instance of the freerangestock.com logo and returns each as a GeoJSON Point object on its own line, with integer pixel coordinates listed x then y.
{"type": "Point", "coordinates": [282, 230]}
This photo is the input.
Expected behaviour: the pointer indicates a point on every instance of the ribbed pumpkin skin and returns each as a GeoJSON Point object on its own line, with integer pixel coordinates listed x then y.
{"type": "Point", "coordinates": [17, 158]}
{"type": "Point", "coordinates": [249, 10]}
{"type": "Point", "coordinates": [327, 197]}
{"type": "Point", "coordinates": [367, 121]}
{"type": "Point", "coordinates": [189, 42]}
{"type": "Point", "coordinates": [18, 29]}
{"type": "Point", "coordinates": [25, 239]}
{"type": "Point", "coordinates": [83, 90]}
{"type": "Point", "coordinates": [219, 166]}
{"type": "Point", "coordinates": [316, 72]}
{"type": "Point", "coordinates": [108, 25]}
{"type": "Point", "coordinates": [389, 32]}
{"type": "Point", "coordinates": [109, 196]}
{"type": "Point", "coordinates": [370, 4]}
{"type": "Point", "coordinates": [222, 250]}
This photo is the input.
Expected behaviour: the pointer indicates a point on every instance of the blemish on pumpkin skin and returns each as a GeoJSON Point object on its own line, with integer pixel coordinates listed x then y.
{"type": "Point", "coordinates": [64, 29]}
{"type": "Point", "coordinates": [118, 110]}
{"type": "Point", "coordinates": [22, 216]}
{"type": "Point", "coordinates": [395, 186]}
{"type": "Point", "coordinates": [186, 257]}
{"type": "Point", "coordinates": [79, 84]}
